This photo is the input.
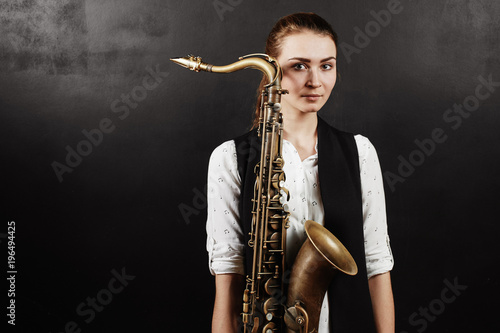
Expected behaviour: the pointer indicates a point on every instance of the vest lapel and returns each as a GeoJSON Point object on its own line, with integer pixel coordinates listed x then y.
{"type": "Point", "coordinates": [340, 185]}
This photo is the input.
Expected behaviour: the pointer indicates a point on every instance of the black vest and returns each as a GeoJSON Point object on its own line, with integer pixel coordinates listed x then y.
{"type": "Point", "coordinates": [340, 185]}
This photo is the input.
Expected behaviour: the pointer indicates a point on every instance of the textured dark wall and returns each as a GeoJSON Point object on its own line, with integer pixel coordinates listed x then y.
{"type": "Point", "coordinates": [105, 146]}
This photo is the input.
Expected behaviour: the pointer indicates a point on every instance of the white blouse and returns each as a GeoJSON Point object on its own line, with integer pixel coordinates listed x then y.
{"type": "Point", "coordinates": [225, 241]}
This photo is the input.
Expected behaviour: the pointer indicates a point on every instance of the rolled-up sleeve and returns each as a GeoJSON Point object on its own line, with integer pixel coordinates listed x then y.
{"type": "Point", "coordinates": [379, 258]}
{"type": "Point", "coordinates": [224, 234]}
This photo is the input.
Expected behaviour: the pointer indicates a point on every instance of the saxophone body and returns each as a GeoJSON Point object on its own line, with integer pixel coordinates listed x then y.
{"type": "Point", "coordinates": [278, 298]}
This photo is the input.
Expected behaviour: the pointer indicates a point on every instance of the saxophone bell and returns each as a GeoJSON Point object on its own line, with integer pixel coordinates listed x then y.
{"type": "Point", "coordinates": [319, 260]}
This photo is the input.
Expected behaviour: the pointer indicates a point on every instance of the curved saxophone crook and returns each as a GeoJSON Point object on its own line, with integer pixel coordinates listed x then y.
{"type": "Point", "coordinates": [266, 64]}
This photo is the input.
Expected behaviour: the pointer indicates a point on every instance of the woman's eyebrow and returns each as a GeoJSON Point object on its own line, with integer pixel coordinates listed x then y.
{"type": "Point", "coordinates": [309, 60]}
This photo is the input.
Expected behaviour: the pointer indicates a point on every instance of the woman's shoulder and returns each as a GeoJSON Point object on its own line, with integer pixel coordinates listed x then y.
{"type": "Point", "coordinates": [223, 151]}
{"type": "Point", "coordinates": [224, 146]}
{"type": "Point", "coordinates": [228, 151]}
{"type": "Point", "coordinates": [364, 145]}
{"type": "Point", "coordinates": [362, 140]}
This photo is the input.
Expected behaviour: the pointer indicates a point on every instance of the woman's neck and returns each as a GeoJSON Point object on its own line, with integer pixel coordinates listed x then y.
{"type": "Point", "coordinates": [300, 130]}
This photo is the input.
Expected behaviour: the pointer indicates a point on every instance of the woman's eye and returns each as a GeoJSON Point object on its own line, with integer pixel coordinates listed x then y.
{"type": "Point", "coordinates": [327, 66]}
{"type": "Point", "coordinates": [299, 66]}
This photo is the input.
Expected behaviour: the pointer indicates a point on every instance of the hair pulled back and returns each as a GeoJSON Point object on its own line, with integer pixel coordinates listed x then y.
{"type": "Point", "coordinates": [286, 26]}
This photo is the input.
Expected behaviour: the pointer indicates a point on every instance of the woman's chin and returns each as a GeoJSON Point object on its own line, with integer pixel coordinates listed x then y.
{"type": "Point", "coordinates": [310, 109]}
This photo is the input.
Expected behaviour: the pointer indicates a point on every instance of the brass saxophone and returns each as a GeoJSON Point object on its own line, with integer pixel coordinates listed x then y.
{"type": "Point", "coordinates": [265, 309]}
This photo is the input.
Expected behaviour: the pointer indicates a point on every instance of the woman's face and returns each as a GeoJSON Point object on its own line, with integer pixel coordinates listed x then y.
{"type": "Point", "coordinates": [309, 68]}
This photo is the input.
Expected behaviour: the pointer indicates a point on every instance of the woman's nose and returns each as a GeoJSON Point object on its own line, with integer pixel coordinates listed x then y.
{"type": "Point", "coordinates": [313, 79]}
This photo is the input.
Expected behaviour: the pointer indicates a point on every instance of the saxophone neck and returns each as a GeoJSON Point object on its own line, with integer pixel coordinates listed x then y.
{"type": "Point", "coordinates": [266, 64]}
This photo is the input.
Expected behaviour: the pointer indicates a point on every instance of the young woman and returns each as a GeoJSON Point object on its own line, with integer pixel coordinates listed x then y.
{"type": "Point", "coordinates": [333, 177]}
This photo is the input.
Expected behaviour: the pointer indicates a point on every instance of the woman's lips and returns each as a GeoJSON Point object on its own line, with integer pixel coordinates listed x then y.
{"type": "Point", "coordinates": [312, 97]}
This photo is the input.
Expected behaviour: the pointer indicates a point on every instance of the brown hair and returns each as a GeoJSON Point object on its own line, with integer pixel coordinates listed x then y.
{"type": "Point", "coordinates": [286, 26]}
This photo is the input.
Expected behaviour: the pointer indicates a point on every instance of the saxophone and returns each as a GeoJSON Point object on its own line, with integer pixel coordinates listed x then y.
{"type": "Point", "coordinates": [265, 307]}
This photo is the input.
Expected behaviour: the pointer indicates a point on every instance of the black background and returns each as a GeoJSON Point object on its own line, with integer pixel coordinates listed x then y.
{"type": "Point", "coordinates": [136, 201]}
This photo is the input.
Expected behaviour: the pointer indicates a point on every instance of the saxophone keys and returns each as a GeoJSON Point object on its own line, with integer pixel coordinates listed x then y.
{"type": "Point", "coordinates": [271, 262]}
{"type": "Point", "coordinates": [286, 192]}
{"type": "Point", "coordinates": [282, 177]}
{"type": "Point", "coordinates": [277, 107]}
{"type": "Point", "coordinates": [275, 240]}
{"type": "Point", "coordinates": [273, 223]}
{"type": "Point", "coordinates": [269, 328]}
{"type": "Point", "coordinates": [271, 286]}
{"type": "Point", "coordinates": [291, 321]}
{"type": "Point", "coordinates": [256, 169]}
{"type": "Point", "coordinates": [270, 305]}
{"type": "Point", "coordinates": [255, 324]}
